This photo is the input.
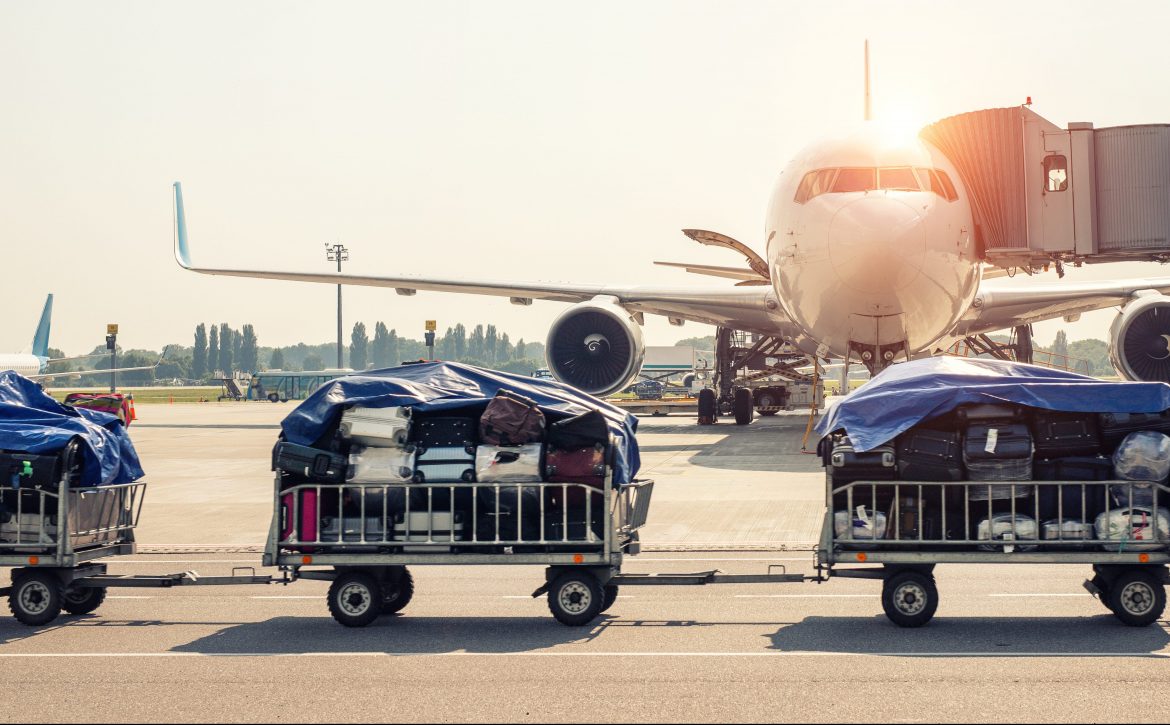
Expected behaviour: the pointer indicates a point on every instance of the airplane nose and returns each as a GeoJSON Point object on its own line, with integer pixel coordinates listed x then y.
{"type": "Point", "coordinates": [877, 244]}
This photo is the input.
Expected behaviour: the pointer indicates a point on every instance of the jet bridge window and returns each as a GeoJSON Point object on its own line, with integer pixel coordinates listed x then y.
{"type": "Point", "coordinates": [1055, 173]}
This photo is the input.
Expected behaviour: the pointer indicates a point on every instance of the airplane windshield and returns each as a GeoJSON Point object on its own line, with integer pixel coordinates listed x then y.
{"type": "Point", "coordinates": [892, 178]}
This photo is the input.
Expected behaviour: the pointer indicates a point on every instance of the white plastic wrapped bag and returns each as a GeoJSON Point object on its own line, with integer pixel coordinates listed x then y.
{"type": "Point", "coordinates": [380, 465]}
{"type": "Point", "coordinates": [865, 523]}
{"type": "Point", "coordinates": [1134, 529]}
{"type": "Point", "coordinates": [1143, 456]}
{"type": "Point", "coordinates": [1008, 529]}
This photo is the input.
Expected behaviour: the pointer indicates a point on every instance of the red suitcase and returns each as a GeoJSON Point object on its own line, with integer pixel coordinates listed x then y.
{"type": "Point", "coordinates": [307, 530]}
{"type": "Point", "coordinates": [575, 465]}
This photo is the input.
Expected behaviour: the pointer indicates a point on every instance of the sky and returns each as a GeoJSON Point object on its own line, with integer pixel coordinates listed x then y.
{"type": "Point", "coordinates": [506, 140]}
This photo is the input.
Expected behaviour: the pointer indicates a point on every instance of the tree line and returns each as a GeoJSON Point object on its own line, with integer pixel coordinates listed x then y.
{"type": "Point", "coordinates": [223, 351]}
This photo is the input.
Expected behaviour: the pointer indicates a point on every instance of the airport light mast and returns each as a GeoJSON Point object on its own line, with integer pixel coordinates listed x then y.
{"type": "Point", "coordinates": [337, 253]}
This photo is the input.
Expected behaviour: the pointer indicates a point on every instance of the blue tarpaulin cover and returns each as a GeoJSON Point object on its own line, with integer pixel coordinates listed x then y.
{"type": "Point", "coordinates": [455, 389]}
{"type": "Point", "coordinates": [905, 394]}
{"type": "Point", "coordinates": [32, 422]}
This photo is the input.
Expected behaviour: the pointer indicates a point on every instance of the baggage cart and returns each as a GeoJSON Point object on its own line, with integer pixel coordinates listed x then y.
{"type": "Point", "coordinates": [54, 541]}
{"type": "Point", "coordinates": [931, 523]}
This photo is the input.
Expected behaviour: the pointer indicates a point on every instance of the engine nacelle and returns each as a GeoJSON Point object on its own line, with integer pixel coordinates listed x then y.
{"type": "Point", "coordinates": [1139, 340]}
{"type": "Point", "coordinates": [595, 346]}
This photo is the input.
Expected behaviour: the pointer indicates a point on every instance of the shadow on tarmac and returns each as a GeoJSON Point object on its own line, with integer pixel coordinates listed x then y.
{"type": "Point", "coordinates": [1099, 636]}
{"type": "Point", "coordinates": [771, 444]}
{"type": "Point", "coordinates": [394, 635]}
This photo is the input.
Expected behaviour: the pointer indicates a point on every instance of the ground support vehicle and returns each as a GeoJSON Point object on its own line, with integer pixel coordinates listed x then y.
{"type": "Point", "coordinates": [57, 567]}
{"type": "Point", "coordinates": [941, 527]}
{"type": "Point", "coordinates": [757, 374]}
{"type": "Point", "coordinates": [363, 544]}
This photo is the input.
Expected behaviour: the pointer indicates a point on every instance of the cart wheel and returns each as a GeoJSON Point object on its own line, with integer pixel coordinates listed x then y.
{"type": "Point", "coordinates": [909, 599]}
{"type": "Point", "coordinates": [1103, 588]}
{"type": "Point", "coordinates": [395, 596]}
{"type": "Point", "coordinates": [355, 599]}
{"type": "Point", "coordinates": [609, 595]}
{"type": "Point", "coordinates": [274, 397]}
{"type": "Point", "coordinates": [82, 600]}
{"type": "Point", "coordinates": [1136, 598]}
{"type": "Point", "coordinates": [575, 598]}
{"type": "Point", "coordinates": [707, 407]}
{"type": "Point", "coordinates": [742, 406]}
{"type": "Point", "coordinates": [35, 598]}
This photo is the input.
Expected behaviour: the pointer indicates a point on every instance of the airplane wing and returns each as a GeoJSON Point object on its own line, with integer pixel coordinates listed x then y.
{"type": "Point", "coordinates": [753, 309]}
{"type": "Point", "coordinates": [50, 376]}
{"type": "Point", "coordinates": [999, 305]}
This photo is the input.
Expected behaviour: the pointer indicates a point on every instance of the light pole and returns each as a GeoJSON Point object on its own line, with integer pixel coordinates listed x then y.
{"type": "Point", "coordinates": [337, 253]}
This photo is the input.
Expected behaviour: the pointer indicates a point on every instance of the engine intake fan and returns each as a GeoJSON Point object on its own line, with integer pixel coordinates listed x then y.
{"type": "Point", "coordinates": [595, 347]}
{"type": "Point", "coordinates": [1140, 340]}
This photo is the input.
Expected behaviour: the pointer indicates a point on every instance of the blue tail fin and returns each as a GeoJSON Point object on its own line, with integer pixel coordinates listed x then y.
{"type": "Point", "coordinates": [40, 346]}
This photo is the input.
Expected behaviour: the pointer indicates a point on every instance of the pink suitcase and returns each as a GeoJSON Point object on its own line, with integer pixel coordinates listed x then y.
{"type": "Point", "coordinates": [307, 531]}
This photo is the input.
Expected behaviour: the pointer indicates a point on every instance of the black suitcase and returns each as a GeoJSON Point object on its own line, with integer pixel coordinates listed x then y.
{"type": "Point", "coordinates": [1057, 434]}
{"type": "Point", "coordinates": [580, 431]}
{"type": "Point", "coordinates": [988, 412]}
{"type": "Point", "coordinates": [30, 470]}
{"type": "Point", "coordinates": [846, 465]}
{"type": "Point", "coordinates": [998, 452]}
{"type": "Point", "coordinates": [1072, 502]}
{"type": "Point", "coordinates": [1073, 468]}
{"type": "Point", "coordinates": [444, 432]}
{"type": "Point", "coordinates": [309, 464]}
{"type": "Point", "coordinates": [1116, 426]}
{"type": "Point", "coordinates": [929, 455]}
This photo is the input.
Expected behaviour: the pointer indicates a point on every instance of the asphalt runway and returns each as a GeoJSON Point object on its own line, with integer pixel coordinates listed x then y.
{"type": "Point", "coordinates": [1008, 642]}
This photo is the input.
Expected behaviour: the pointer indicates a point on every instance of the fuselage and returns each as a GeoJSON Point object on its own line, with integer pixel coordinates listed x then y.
{"type": "Point", "coordinates": [22, 363]}
{"type": "Point", "coordinates": [871, 246]}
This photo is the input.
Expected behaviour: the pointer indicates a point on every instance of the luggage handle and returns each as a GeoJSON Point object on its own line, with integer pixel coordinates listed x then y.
{"type": "Point", "coordinates": [506, 457]}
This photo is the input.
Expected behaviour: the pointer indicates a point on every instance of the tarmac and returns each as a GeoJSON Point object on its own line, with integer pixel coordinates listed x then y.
{"type": "Point", "coordinates": [1019, 643]}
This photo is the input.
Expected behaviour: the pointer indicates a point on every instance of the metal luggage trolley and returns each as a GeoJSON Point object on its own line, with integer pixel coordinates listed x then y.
{"type": "Point", "coordinates": [362, 537]}
{"type": "Point", "coordinates": [932, 523]}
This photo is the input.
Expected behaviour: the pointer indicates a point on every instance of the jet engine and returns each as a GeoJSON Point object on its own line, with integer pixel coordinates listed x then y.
{"type": "Point", "coordinates": [595, 346]}
{"type": "Point", "coordinates": [1139, 345]}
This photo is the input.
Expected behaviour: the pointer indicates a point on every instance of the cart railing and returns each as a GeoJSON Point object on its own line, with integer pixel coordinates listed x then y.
{"type": "Point", "coordinates": [422, 517]}
{"type": "Point", "coordinates": [30, 519]}
{"type": "Point", "coordinates": [1000, 515]}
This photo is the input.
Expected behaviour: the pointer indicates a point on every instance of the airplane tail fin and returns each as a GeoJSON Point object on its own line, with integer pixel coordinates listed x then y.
{"type": "Point", "coordinates": [868, 109]}
{"type": "Point", "coordinates": [40, 345]}
{"type": "Point", "coordinates": [182, 256]}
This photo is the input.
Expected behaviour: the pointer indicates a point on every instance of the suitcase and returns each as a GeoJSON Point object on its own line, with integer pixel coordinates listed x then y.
{"type": "Point", "coordinates": [444, 432]}
{"type": "Point", "coordinates": [306, 529]}
{"type": "Point", "coordinates": [1116, 426]}
{"type": "Point", "coordinates": [1139, 495]}
{"type": "Point", "coordinates": [1134, 529]}
{"type": "Point", "coordinates": [513, 464]}
{"type": "Point", "coordinates": [580, 431]}
{"type": "Point", "coordinates": [929, 455]}
{"type": "Point", "coordinates": [576, 465]}
{"type": "Point", "coordinates": [349, 529]}
{"type": "Point", "coordinates": [384, 427]}
{"type": "Point", "coordinates": [1057, 434]}
{"type": "Point", "coordinates": [862, 524]}
{"type": "Point", "coordinates": [557, 531]}
{"type": "Point", "coordinates": [1073, 468]}
{"type": "Point", "coordinates": [511, 420]}
{"type": "Point", "coordinates": [1068, 530]}
{"type": "Point", "coordinates": [847, 465]}
{"type": "Point", "coordinates": [1004, 528]}
{"type": "Point", "coordinates": [998, 452]}
{"type": "Point", "coordinates": [988, 413]}
{"type": "Point", "coordinates": [381, 465]}
{"type": "Point", "coordinates": [1080, 501]}
{"type": "Point", "coordinates": [28, 529]}
{"type": "Point", "coordinates": [513, 504]}
{"type": "Point", "coordinates": [309, 464]}
{"type": "Point", "coordinates": [446, 464]}
{"type": "Point", "coordinates": [30, 470]}
{"type": "Point", "coordinates": [437, 526]}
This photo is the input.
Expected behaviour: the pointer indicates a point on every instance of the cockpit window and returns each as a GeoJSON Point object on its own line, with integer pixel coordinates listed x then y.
{"type": "Point", "coordinates": [855, 180]}
{"type": "Point", "coordinates": [890, 178]}
{"type": "Point", "coordinates": [900, 178]}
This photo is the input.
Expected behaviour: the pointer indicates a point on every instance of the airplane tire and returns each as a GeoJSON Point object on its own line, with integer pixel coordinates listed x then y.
{"type": "Point", "coordinates": [742, 407]}
{"type": "Point", "coordinates": [707, 407]}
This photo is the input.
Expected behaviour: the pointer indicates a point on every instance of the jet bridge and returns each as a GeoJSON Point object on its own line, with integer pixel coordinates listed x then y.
{"type": "Point", "coordinates": [1044, 195]}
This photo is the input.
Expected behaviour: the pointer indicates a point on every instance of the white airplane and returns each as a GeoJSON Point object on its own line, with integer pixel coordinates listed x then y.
{"type": "Point", "coordinates": [32, 362]}
{"type": "Point", "coordinates": [870, 256]}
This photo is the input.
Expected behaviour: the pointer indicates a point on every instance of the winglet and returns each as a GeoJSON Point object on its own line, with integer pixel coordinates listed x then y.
{"type": "Point", "coordinates": [40, 345]}
{"type": "Point", "coordinates": [182, 256]}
